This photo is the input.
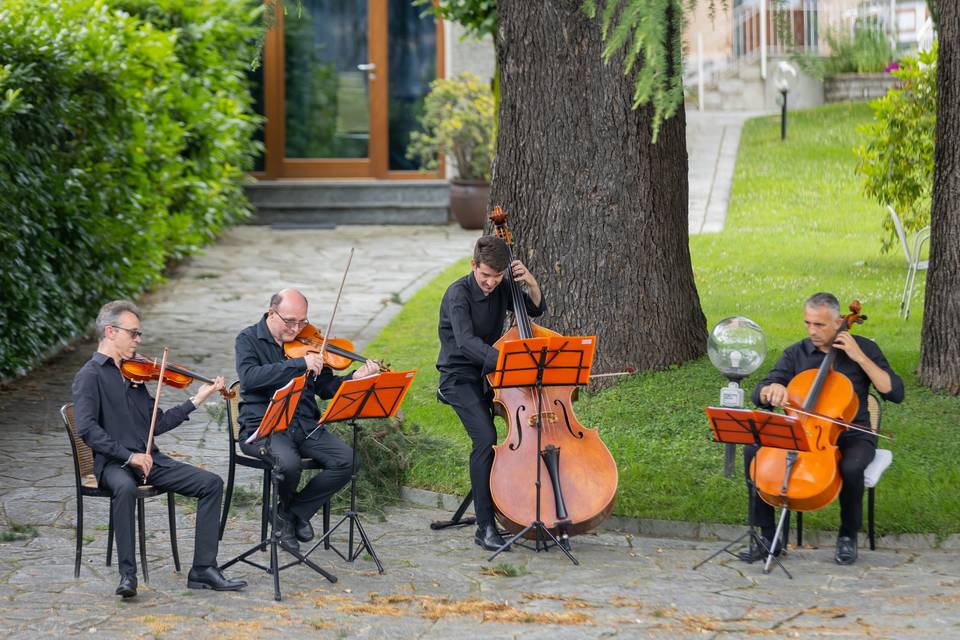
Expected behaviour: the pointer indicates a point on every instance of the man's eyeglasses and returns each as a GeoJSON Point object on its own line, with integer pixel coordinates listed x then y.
{"type": "Point", "coordinates": [292, 323]}
{"type": "Point", "coordinates": [134, 333]}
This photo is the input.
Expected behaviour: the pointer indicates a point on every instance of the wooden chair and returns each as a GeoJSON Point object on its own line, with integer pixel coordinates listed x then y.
{"type": "Point", "coordinates": [871, 475]}
{"type": "Point", "coordinates": [87, 486]}
{"type": "Point", "coordinates": [238, 457]}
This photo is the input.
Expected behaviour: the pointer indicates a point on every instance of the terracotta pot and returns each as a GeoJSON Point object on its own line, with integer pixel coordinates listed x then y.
{"type": "Point", "coordinates": [468, 202]}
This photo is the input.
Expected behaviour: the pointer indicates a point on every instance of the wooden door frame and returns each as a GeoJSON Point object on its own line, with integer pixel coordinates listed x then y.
{"type": "Point", "coordinates": [376, 164]}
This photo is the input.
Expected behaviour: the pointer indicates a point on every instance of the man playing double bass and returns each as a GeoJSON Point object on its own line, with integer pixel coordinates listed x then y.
{"type": "Point", "coordinates": [860, 360]}
{"type": "Point", "coordinates": [472, 318]}
{"type": "Point", "coordinates": [113, 416]}
{"type": "Point", "coordinates": [263, 368]}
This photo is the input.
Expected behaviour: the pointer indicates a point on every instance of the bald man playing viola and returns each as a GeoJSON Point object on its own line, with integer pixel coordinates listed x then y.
{"type": "Point", "coordinates": [263, 368]}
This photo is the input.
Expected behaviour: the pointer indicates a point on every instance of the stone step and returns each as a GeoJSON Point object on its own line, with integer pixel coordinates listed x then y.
{"type": "Point", "coordinates": [333, 202]}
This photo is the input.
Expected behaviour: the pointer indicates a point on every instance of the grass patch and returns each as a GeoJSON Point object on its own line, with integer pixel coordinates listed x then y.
{"type": "Point", "coordinates": [17, 531]}
{"type": "Point", "coordinates": [244, 496]}
{"type": "Point", "coordinates": [504, 570]}
{"type": "Point", "coordinates": [797, 224]}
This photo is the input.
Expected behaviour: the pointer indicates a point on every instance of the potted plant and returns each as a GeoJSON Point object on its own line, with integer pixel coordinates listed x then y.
{"type": "Point", "coordinates": [458, 121]}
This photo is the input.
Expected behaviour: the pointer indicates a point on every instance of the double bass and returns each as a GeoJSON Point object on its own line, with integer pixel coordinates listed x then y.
{"type": "Point", "coordinates": [825, 402]}
{"type": "Point", "coordinates": [579, 476]}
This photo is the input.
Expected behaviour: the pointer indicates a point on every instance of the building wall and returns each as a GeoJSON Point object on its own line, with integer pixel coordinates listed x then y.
{"type": "Point", "coordinates": [468, 54]}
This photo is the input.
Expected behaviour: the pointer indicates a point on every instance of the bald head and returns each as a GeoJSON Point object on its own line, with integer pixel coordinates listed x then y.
{"type": "Point", "coordinates": [287, 314]}
{"type": "Point", "coordinates": [280, 296]}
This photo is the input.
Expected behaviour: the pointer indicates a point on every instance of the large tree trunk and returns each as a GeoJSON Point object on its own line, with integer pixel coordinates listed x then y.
{"type": "Point", "coordinates": [940, 346]}
{"type": "Point", "coordinates": [598, 211]}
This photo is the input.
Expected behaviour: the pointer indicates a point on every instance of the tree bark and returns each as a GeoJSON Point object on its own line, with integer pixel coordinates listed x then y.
{"type": "Point", "coordinates": [597, 210]}
{"type": "Point", "coordinates": [940, 345]}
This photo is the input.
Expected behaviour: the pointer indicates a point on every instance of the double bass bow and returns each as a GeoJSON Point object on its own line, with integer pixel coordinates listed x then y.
{"type": "Point", "coordinates": [580, 475]}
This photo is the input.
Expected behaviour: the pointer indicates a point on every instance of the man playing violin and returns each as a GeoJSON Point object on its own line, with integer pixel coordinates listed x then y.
{"type": "Point", "coordinates": [860, 360]}
{"type": "Point", "coordinates": [472, 318]}
{"type": "Point", "coordinates": [113, 417]}
{"type": "Point", "coordinates": [263, 368]}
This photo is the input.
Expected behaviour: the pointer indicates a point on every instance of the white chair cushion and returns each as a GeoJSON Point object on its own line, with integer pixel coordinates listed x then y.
{"type": "Point", "coordinates": [881, 460]}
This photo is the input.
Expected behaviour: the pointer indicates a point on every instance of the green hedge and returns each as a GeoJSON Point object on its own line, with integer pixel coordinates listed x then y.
{"type": "Point", "coordinates": [125, 134]}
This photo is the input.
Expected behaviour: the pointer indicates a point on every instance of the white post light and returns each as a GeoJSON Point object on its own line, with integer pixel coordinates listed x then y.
{"type": "Point", "coordinates": [736, 347]}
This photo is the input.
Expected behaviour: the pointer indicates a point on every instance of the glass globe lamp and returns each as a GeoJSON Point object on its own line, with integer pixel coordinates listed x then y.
{"type": "Point", "coordinates": [736, 347]}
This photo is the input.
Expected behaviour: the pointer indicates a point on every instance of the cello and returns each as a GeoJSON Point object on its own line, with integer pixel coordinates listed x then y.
{"type": "Point", "coordinates": [580, 474]}
{"type": "Point", "coordinates": [824, 401]}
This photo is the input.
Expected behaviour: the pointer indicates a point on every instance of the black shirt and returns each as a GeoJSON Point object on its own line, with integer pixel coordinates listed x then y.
{"type": "Point", "coordinates": [113, 414]}
{"type": "Point", "coordinates": [263, 368]}
{"type": "Point", "coordinates": [804, 355]}
{"type": "Point", "coordinates": [470, 322]}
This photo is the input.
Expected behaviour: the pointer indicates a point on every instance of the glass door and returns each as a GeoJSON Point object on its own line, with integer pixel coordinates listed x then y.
{"type": "Point", "coordinates": [331, 108]}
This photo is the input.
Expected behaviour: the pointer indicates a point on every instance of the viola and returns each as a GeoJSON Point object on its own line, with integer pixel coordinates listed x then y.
{"type": "Point", "coordinates": [337, 354]}
{"type": "Point", "coordinates": [140, 369]}
{"type": "Point", "coordinates": [823, 400]}
{"type": "Point", "coordinates": [579, 474]}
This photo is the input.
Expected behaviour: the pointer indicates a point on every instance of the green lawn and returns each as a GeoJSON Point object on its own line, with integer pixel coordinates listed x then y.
{"type": "Point", "coordinates": [797, 224]}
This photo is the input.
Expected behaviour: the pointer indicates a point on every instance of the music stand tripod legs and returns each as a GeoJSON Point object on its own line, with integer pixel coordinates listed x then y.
{"type": "Point", "coordinates": [353, 517]}
{"type": "Point", "coordinates": [542, 534]}
{"type": "Point", "coordinates": [756, 541]}
{"type": "Point", "coordinates": [745, 431]}
{"type": "Point", "coordinates": [273, 539]}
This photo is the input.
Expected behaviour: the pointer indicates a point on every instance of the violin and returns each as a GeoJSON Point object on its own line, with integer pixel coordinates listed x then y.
{"type": "Point", "coordinates": [580, 475]}
{"type": "Point", "coordinates": [337, 354]}
{"type": "Point", "coordinates": [824, 401]}
{"type": "Point", "coordinates": [140, 369]}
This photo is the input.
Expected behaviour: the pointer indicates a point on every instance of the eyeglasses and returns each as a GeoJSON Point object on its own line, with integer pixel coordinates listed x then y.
{"type": "Point", "coordinates": [292, 323]}
{"type": "Point", "coordinates": [134, 333]}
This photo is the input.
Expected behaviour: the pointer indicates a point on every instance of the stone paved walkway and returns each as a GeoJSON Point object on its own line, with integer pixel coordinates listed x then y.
{"type": "Point", "coordinates": [437, 584]}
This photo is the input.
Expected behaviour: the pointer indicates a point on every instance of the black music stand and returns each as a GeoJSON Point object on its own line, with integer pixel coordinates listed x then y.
{"type": "Point", "coordinates": [279, 415]}
{"type": "Point", "coordinates": [763, 429]}
{"type": "Point", "coordinates": [556, 361]}
{"type": "Point", "coordinates": [377, 396]}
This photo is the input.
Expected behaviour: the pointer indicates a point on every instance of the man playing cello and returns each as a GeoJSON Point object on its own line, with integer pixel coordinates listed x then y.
{"type": "Point", "coordinates": [860, 360]}
{"type": "Point", "coordinates": [472, 318]}
{"type": "Point", "coordinates": [112, 416]}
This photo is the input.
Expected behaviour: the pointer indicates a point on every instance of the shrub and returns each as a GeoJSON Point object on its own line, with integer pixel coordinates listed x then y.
{"type": "Point", "coordinates": [897, 159]}
{"type": "Point", "coordinates": [458, 119]}
{"type": "Point", "coordinates": [866, 50]}
{"type": "Point", "coordinates": [124, 137]}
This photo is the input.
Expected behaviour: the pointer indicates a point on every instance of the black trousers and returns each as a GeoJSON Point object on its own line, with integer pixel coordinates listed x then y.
{"type": "Point", "coordinates": [855, 454]}
{"type": "Point", "coordinates": [168, 475]}
{"type": "Point", "coordinates": [290, 447]}
{"type": "Point", "coordinates": [474, 407]}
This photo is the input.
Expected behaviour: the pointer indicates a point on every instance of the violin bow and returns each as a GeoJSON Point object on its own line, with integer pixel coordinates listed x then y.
{"type": "Point", "coordinates": [820, 416]}
{"type": "Point", "coordinates": [336, 303]}
{"type": "Point", "coordinates": [326, 334]}
{"type": "Point", "coordinates": [156, 404]}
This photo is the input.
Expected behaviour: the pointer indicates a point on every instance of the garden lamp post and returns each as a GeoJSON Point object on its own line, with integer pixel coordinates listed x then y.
{"type": "Point", "coordinates": [784, 78]}
{"type": "Point", "coordinates": [736, 347]}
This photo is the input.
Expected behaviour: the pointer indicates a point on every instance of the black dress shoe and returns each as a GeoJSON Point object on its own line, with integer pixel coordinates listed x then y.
{"type": "Point", "coordinates": [127, 587]}
{"type": "Point", "coordinates": [846, 550]}
{"type": "Point", "coordinates": [302, 529]}
{"type": "Point", "coordinates": [212, 578]}
{"type": "Point", "coordinates": [288, 539]}
{"type": "Point", "coordinates": [489, 538]}
{"type": "Point", "coordinates": [755, 552]}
